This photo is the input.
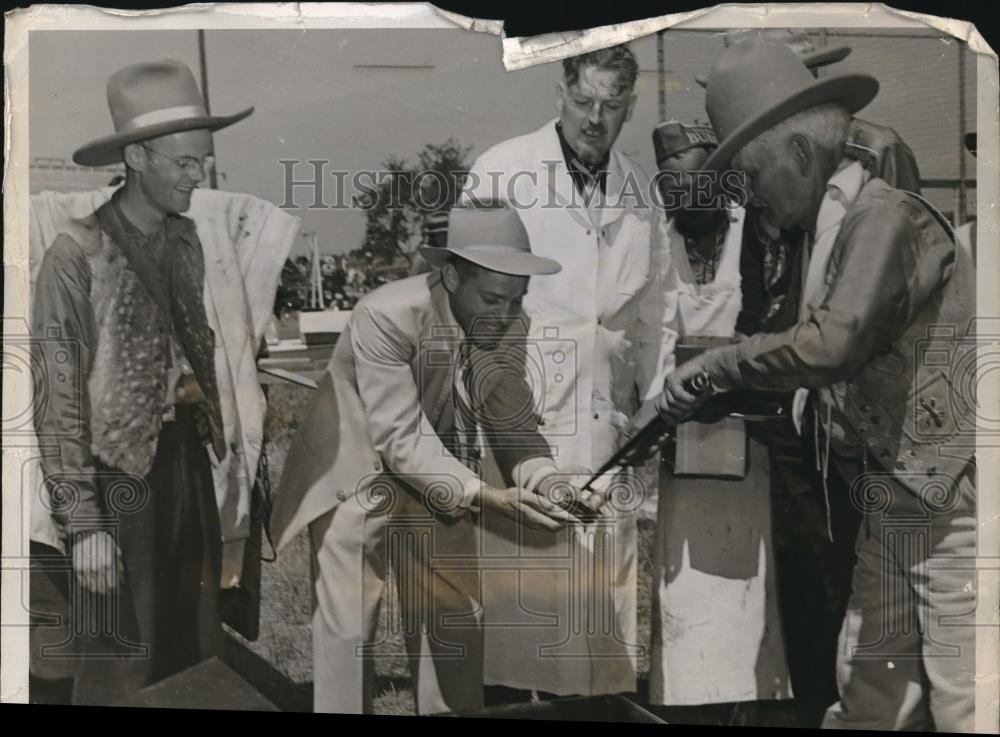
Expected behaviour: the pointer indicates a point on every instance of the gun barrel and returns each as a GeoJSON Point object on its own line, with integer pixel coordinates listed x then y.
{"type": "Point", "coordinates": [649, 434]}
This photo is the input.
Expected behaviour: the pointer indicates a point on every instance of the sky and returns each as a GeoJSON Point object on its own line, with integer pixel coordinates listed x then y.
{"type": "Point", "coordinates": [319, 95]}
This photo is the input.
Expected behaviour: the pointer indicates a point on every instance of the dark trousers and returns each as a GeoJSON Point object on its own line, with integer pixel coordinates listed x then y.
{"type": "Point", "coordinates": [164, 616]}
{"type": "Point", "coordinates": [53, 664]}
{"type": "Point", "coordinates": [813, 571]}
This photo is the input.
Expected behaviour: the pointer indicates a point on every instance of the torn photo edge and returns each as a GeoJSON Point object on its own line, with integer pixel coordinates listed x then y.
{"type": "Point", "coordinates": [516, 53]}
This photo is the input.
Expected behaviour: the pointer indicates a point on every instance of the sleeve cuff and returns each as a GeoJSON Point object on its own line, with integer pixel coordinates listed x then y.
{"type": "Point", "coordinates": [530, 472]}
{"type": "Point", "coordinates": [723, 368]}
{"type": "Point", "coordinates": [470, 494]}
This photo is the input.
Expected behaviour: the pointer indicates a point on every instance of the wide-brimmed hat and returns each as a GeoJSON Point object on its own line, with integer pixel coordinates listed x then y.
{"type": "Point", "coordinates": [797, 39]}
{"type": "Point", "coordinates": [149, 100]}
{"type": "Point", "coordinates": [758, 82]}
{"type": "Point", "coordinates": [673, 137]}
{"type": "Point", "coordinates": [492, 237]}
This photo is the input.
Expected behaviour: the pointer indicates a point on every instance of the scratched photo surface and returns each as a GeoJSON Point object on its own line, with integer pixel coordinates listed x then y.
{"type": "Point", "coordinates": [430, 387]}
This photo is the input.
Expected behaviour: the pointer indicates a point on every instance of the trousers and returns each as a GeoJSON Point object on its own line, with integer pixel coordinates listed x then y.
{"type": "Point", "coordinates": [813, 570]}
{"type": "Point", "coordinates": [434, 561]}
{"type": "Point", "coordinates": [906, 658]}
{"type": "Point", "coordinates": [164, 616]}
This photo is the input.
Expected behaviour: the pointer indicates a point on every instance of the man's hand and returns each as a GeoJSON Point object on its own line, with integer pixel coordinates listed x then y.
{"type": "Point", "coordinates": [97, 563]}
{"type": "Point", "coordinates": [188, 390]}
{"type": "Point", "coordinates": [677, 403]}
{"type": "Point", "coordinates": [525, 508]}
{"type": "Point", "coordinates": [565, 486]}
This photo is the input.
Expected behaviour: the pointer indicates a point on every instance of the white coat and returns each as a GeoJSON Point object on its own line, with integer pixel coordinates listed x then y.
{"type": "Point", "coordinates": [560, 612]}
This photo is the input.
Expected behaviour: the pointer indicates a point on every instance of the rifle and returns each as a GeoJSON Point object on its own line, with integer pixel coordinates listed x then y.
{"type": "Point", "coordinates": [645, 442]}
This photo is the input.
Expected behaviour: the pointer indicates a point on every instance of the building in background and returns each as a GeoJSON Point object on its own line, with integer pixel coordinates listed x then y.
{"type": "Point", "coordinates": [48, 174]}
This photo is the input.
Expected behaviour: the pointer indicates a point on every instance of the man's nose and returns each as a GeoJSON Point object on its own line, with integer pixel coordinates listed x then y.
{"type": "Point", "coordinates": [594, 117]}
{"type": "Point", "coordinates": [199, 172]}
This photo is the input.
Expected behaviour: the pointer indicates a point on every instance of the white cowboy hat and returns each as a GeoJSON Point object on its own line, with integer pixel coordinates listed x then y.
{"type": "Point", "coordinates": [492, 237]}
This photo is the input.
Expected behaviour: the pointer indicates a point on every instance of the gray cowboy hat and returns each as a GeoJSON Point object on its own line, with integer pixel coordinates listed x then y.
{"type": "Point", "coordinates": [148, 100]}
{"type": "Point", "coordinates": [492, 237]}
{"type": "Point", "coordinates": [795, 38]}
{"type": "Point", "coordinates": [757, 83]}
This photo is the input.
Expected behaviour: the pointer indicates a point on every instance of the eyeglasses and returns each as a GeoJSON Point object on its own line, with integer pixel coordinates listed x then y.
{"type": "Point", "coordinates": [193, 167]}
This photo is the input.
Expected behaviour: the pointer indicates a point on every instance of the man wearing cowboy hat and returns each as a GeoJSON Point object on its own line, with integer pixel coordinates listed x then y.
{"type": "Point", "coordinates": [880, 149]}
{"type": "Point", "coordinates": [131, 399]}
{"type": "Point", "coordinates": [428, 375]}
{"type": "Point", "coordinates": [814, 539]}
{"type": "Point", "coordinates": [884, 276]}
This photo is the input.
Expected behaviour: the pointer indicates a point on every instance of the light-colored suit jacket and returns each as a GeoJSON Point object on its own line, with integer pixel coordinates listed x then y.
{"type": "Point", "coordinates": [384, 409]}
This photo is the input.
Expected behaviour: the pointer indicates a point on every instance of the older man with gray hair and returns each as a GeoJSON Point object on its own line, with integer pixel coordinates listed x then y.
{"type": "Point", "coordinates": [886, 287]}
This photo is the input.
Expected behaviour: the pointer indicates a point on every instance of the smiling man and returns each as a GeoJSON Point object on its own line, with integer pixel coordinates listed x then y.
{"type": "Point", "coordinates": [130, 408]}
{"type": "Point", "coordinates": [427, 376]}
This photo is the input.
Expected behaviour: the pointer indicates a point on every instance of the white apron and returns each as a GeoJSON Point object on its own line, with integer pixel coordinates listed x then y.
{"type": "Point", "coordinates": [716, 629]}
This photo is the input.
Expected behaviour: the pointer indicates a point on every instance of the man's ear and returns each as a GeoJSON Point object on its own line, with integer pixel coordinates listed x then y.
{"type": "Point", "coordinates": [449, 277]}
{"type": "Point", "coordinates": [560, 96]}
{"type": "Point", "coordinates": [805, 160]}
{"type": "Point", "coordinates": [134, 156]}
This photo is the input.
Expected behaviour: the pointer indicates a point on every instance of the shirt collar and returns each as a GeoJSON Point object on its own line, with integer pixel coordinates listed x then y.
{"type": "Point", "coordinates": [841, 191]}
{"type": "Point", "coordinates": [173, 226]}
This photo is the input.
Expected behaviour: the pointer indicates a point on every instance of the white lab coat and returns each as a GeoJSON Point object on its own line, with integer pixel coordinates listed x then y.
{"type": "Point", "coordinates": [560, 611]}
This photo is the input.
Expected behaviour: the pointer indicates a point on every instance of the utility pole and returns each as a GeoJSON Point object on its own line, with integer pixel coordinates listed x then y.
{"type": "Point", "coordinates": [213, 180]}
{"type": "Point", "coordinates": [317, 273]}
{"type": "Point", "coordinates": [661, 76]}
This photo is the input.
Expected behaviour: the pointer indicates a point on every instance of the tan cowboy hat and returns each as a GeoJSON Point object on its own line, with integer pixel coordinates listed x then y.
{"type": "Point", "coordinates": [795, 38]}
{"type": "Point", "coordinates": [149, 100]}
{"type": "Point", "coordinates": [492, 237]}
{"type": "Point", "coordinates": [756, 83]}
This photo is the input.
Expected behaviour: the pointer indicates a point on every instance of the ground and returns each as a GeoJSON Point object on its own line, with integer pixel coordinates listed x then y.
{"type": "Point", "coordinates": [279, 661]}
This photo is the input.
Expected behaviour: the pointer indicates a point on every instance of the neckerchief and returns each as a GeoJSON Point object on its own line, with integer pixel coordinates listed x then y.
{"type": "Point", "coordinates": [170, 265]}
